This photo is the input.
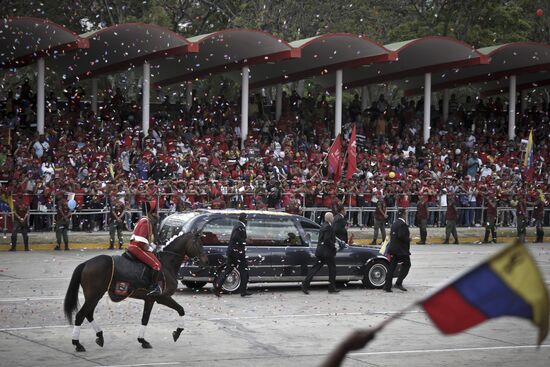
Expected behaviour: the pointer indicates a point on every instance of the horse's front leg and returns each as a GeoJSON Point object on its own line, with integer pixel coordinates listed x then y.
{"type": "Point", "coordinates": [170, 302]}
{"type": "Point", "coordinates": [144, 321]}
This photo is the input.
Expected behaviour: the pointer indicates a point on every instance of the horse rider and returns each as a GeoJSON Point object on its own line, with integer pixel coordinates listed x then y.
{"type": "Point", "coordinates": [141, 247]}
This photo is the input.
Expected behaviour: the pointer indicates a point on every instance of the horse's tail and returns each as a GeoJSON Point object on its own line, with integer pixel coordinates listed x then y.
{"type": "Point", "coordinates": [71, 298]}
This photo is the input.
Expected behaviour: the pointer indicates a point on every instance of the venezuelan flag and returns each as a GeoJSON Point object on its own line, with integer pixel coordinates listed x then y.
{"type": "Point", "coordinates": [507, 284]}
{"type": "Point", "coordinates": [528, 160]}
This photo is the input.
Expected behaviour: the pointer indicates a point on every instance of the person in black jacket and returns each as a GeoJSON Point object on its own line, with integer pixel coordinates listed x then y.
{"type": "Point", "coordinates": [339, 225]}
{"type": "Point", "coordinates": [325, 254]}
{"type": "Point", "coordinates": [236, 258]}
{"type": "Point", "coordinates": [399, 249]}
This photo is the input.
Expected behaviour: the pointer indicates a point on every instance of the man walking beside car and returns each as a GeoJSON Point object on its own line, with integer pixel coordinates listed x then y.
{"type": "Point", "coordinates": [325, 254]}
{"type": "Point", "coordinates": [236, 258]}
{"type": "Point", "coordinates": [399, 250]}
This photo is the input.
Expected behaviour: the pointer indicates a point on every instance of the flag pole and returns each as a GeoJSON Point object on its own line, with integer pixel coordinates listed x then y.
{"type": "Point", "coordinates": [394, 316]}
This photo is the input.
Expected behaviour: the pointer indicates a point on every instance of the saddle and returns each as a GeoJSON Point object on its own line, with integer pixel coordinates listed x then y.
{"type": "Point", "coordinates": [129, 275]}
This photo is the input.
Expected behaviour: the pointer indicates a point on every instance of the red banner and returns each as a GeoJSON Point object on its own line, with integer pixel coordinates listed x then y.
{"type": "Point", "coordinates": [352, 154]}
{"type": "Point", "coordinates": [334, 158]}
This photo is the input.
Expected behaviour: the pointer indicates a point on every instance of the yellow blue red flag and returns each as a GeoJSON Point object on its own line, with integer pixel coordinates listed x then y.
{"type": "Point", "coordinates": [507, 284]}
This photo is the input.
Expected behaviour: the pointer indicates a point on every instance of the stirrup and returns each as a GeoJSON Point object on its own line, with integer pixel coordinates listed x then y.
{"type": "Point", "coordinates": [155, 291]}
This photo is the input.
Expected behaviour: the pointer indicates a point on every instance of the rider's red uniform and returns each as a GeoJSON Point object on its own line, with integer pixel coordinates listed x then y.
{"type": "Point", "coordinates": [139, 244]}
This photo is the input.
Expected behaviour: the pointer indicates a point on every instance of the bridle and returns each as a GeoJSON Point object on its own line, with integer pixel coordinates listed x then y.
{"type": "Point", "coordinates": [173, 253]}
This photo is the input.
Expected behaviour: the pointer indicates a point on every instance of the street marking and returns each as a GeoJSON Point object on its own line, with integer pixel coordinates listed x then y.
{"type": "Point", "coordinates": [35, 327]}
{"type": "Point", "coordinates": [31, 279]}
{"type": "Point", "coordinates": [23, 299]}
{"type": "Point", "coordinates": [448, 350]}
{"type": "Point", "coordinates": [145, 364]}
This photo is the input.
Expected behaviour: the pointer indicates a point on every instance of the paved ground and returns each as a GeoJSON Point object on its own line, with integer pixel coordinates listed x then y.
{"type": "Point", "coordinates": [277, 326]}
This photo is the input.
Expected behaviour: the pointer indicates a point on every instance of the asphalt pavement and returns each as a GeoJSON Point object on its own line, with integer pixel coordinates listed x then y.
{"type": "Point", "coordinates": [277, 326]}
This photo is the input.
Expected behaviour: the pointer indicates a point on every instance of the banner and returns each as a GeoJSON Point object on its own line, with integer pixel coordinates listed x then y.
{"type": "Point", "coordinates": [334, 161]}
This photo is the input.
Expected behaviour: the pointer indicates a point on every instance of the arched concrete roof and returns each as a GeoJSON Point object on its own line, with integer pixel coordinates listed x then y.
{"type": "Point", "coordinates": [321, 55]}
{"type": "Point", "coordinates": [120, 47]}
{"type": "Point", "coordinates": [222, 52]}
{"type": "Point", "coordinates": [414, 57]}
{"type": "Point", "coordinates": [517, 58]}
{"type": "Point", "coordinates": [25, 39]}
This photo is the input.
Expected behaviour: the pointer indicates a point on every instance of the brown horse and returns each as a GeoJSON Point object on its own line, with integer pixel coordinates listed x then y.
{"type": "Point", "coordinates": [95, 276]}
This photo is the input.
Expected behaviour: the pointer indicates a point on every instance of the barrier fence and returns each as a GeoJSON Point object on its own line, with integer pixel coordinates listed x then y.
{"type": "Point", "coordinates": [98, 219]}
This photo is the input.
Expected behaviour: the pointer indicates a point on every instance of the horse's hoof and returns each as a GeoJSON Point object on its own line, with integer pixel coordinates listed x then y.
{"type": "Point", "coordinates": [144, 343]}
{"type": "Point", "coordinates": [79, 347]}
{"type": "Point", "coordinates": [99, 339]}
{"type": "Point", "coordinates": [176, 334]}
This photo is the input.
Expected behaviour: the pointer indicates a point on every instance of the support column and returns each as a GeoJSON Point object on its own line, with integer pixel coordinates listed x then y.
{"type": "Point", "coordinates": [145, 101]}
{"type": "Point", "coordinates": [523, 101]}
{"type": "Point", "coordinates": [279, 102]}
{"type": "Point", "coordinates": [427, 105]}
{"type": "Point", "coordinates": [244, 104]}
{"type": "Point", "coordinates": [338, 103]}
{"type": "Point", "coordinates": [40, 97]}
{"type": "Point", "coordinates": [94, 95]}
{"type": "Point", "coordinates": [189, 96]}
{"type": "Point", "coordinates": [446, 98]}
{"type": "Point", "coordinates": [512, 109]}
{"type": "Point", "coordinates": [300, 87]}
{"type": "Point", "coordinates": [365, 98]}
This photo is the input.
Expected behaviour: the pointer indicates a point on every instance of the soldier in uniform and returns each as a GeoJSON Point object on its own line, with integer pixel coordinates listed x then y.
{"type": "Point", "coordinates": [422, 218]}
{"type": "Point", "coordinates": [380, 217]}
{"type": "Point", "coordinates": [451, 216]}
{"type": "Point", "coordinates": [141, 245]}
{"type": "Point", "coordinates": [20, 224]}
{"type": "Point", "coordinates": [490, 222]}
{"type": "Point", "coordinates": [62, 219]}
{"type": "Point", "coordinates": [116, 224]}
{"type": "Point", "coordinates": [236, 258]}
{"type": "Point", "coordinates": [521, 215]}
{"type": "Point", "coordinates": [538, 215]}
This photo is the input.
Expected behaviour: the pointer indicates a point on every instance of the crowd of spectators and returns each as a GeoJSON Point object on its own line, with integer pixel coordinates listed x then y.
{"type": "Point", "coordinates": [192, 157]}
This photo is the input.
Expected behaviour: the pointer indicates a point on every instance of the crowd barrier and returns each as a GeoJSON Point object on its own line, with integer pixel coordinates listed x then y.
{"type": "Point", "coordinates": [98, 220]}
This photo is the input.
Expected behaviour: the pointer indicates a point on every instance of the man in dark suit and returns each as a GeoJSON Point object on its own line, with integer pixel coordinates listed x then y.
{"type": "Point", "coordinates": [325, 254]}
{"type": "Point", "coordinates": [236, 258]}
{"type": "Point", "coordinates": [399, 249]}
{"type": "Point", "coordinates": [339, 225]}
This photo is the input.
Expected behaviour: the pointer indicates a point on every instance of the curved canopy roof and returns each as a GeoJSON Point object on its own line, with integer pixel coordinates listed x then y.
{"type": "Point", "coordinates": [122, 46]}
{"type": "Point", "coordinates": [25, 39]}
{"type": "Point", "coordinates": [518, 58]}
{"type": "Point", "coordinates": [222, 52]}
{"type": "Point", "coordinates": [321, 55]}
{"type": "Point", "coordinates": [414, 57]}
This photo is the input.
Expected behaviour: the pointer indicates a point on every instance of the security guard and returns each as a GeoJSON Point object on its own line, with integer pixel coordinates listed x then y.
{"type": "Point", "coordinates": [538, 215]}
{"type": "Point", "coordinates": [380, 216]}
{"type": "Point", "coordinates": [490, 223]}
{"type": "Point", "coordinates": [62, 219]}
{"type": "Point", "coordinates": [20, 224]}
{"type": "Point", "coordinates": [450, 227]}
{"type": "Point", "coordinates": [116, 224]}
{"type": "Point", "coordinates": [521, 214]}
{"type": "Point", "coordinates": [399, 249]}
{"type": "Point", "coordinates": [422, 218]}
{"type": "Point", "coordinates": [236, 258]}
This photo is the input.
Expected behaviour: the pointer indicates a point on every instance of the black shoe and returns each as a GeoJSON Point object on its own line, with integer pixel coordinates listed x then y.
{"type": "Point", "coordinates": [111, 247]}
{"type": "Point", "coordinates": [456, 242]}
{"type": "Point", "coordinates": [388, 290]}
{"type": "Point", "coordinates": [120, 247]}
{"type": "Point", "coordinates": [373, 243]}
{"type": "Point", "coordinates": [494, 240]}
{"type": "Point", "coordinates": [154, 290]}
{"type": "Point", "coordinates": [27, 248]}
{"type": "Point", "coordinates": [485, 242]}
{"type": "Point", "coordinates": [67, 248]}
{"type": "Point", "coordinates": [400, 287]}
{"type": "Point", "coordinates": [246, 294]}
{"type": "Point", "coordinates": [304, 289]}
{"type": "Point", "coordinates": [13, 248]}
{"type": "Point", "coordinates": [421, 243]}
{"type": "Point", "coordinates": [57, 248]}
{"type": "Point", "coordinates": [217, 292]}
{"type": "Point", "coordinates": [446, 242]}
{"type": "Point", "coordinates": [333, 290]}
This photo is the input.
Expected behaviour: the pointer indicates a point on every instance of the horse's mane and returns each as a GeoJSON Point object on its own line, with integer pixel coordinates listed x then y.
{"type": "Point", "coordinates": [172, 241]}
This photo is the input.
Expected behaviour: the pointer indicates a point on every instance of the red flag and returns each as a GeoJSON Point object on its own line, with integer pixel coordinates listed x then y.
{"type": "Point", "coordinates": [352, 154]}
{"type": "Point", "coordinates": [334, 158]}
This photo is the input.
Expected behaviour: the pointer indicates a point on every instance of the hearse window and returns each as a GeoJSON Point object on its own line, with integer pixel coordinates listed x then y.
{"type": "Point", "coordinates": [312, 232]}
{"type": "Point", "coordinates": [265, 231]}
{"type": "Point", "coordinates": [218, 231]}
{"type": "Point", "coordinates": [168, 231]}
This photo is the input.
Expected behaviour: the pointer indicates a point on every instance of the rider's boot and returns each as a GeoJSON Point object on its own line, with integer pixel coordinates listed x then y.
{"type": "Point", "coordinates": [154, 289]}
